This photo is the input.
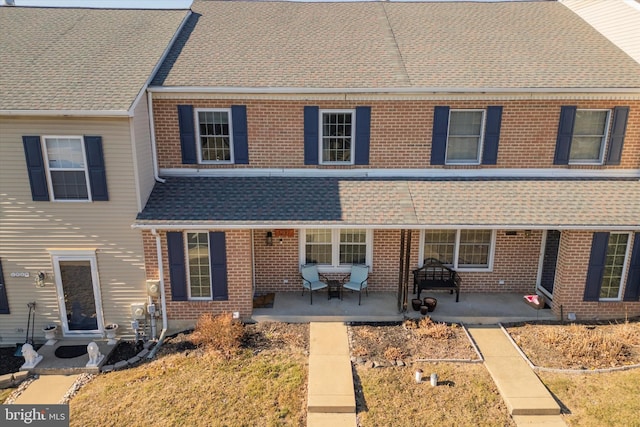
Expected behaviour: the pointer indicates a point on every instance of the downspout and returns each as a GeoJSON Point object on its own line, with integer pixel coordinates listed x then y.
{"type": "Point", "coordinates": [154, 153]}
{"type": "Point", "coordinates": [163, 299]}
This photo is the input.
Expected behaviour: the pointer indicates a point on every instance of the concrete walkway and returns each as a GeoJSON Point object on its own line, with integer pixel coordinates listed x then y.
{"type": "Point", "coordinates": [47, 389]}
{"type": "Point", "coordinates": [330, 397]}
{"type": "Point", "coordinates": [528, 400]}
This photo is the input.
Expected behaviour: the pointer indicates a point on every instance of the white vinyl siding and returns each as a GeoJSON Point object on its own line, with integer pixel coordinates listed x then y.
{"type": "Point", "coordinates": [28, 231]}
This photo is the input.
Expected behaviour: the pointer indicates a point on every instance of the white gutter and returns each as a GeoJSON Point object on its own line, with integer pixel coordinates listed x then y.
{"type": "Point", "coordinates": [446, 172]}
{"type": "Point", "coordinates": [65, 113]}
{"type": "Point", "coordinates": [431, 90]}
{"type": "Point", "coordinates": [152, 129]}
{"type": "Point", "coordinates": [163, 297]}
{"type": "Point", "coordinates": [193, 225]}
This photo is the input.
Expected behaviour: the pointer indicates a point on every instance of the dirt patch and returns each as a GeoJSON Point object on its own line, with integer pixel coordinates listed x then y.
{"type": "Point", "coordinates": [410, 341]}
{"type": "Point", "coordinates": [579, 346]}
{"type": "Point", "coordinates": [8, 362]}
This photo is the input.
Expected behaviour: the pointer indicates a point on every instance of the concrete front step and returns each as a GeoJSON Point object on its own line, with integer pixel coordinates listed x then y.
{"type": "Point", "coordinates": [330, 388]}
{"type": "Point", "coordinates": [539, 421]}
{"type": "Point", "coordinates": [331, 420]}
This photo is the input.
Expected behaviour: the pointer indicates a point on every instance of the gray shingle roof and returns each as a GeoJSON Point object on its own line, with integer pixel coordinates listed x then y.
{"type": "Point", "coordinates": [262, 201]}
{"type": "Point", "coordinates": [79, 59]}
{"type": "Point", "coordinates": [395, 45]}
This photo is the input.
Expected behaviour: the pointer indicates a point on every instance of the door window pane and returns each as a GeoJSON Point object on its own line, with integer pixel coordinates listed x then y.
{"type": "Point", "coordinates": [79, 298]}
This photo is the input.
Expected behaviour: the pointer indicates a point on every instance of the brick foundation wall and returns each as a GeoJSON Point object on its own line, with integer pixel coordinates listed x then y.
{"type": "Point", "coordinates": [571, 276]}
{"type": "Point", "coordinates": [275, 128]}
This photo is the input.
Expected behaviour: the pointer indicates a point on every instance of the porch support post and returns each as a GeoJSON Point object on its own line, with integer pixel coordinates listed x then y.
{"type": "Point", "coordinates": [403, 270]}
{"type": "Point", "coordinates": [401, 297]}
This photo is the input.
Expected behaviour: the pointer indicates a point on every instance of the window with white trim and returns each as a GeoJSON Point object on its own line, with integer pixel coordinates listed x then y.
{"type": "Point", "coordinates": [615, 266]}
{"type": "Point", "coordinates": [590, 130]}
{"type": "Point", "coordinates": [336, 249]}
{"type": "Point", "coordinates": [337, 135]}
{"type": "Point", "coordinates": [198, 265]}
{"type": "Point", "coordinates": [464, 137]}
{"type": "Point", "coordinates": [67, 174]}
{"type": "Point", "coordinates": [460, 249]}
{"type": "Point", "coordinates": [214, 135]}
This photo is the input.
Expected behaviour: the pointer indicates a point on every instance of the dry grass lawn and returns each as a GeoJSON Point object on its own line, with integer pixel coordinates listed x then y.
{"type": "Point", "coordinates": [465, 396]}
{"type": "Point", "coordinates": [597, 400]}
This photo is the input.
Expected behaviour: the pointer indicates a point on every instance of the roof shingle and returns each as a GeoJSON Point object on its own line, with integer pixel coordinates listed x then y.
{"type": "Point", "coordinates": [461, 45]}
{"type": "Point", "coordinates": [80, 59]}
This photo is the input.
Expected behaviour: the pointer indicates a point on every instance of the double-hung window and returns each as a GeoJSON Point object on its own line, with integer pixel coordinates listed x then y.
{"type": "Point", "coordinates": [66, 166]}
{"type": "Point", "coordinates": [337, 136]}
{"type": "Point", "coordinates": [198, 265]}
{"type": "Point", "coordinates": [615, 266]}
{"type": "Point", "coordinates": [464, 141]}
{"type": "Point", "coordinates": [460, 249]}
{"type": "Point", "coordinates": [214, 135]}
{"type": "Point", "coordinates": [336, 249]}
{"type": "Point", "coordinates": [590, 131]}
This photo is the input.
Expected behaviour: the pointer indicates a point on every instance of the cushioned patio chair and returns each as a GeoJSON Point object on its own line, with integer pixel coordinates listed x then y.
{"type": "Point", "coordinates": [311, 280]}
{"type": "Point", "coordinates": [357, 280]}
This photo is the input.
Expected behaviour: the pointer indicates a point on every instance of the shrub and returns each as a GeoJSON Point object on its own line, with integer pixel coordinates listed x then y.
{"type": "Point", "coordinates": [438, 331]}
{"type": "Point", "coordinates": [393, 353]}
{"type": "Point", "coordinates": [218, 333]}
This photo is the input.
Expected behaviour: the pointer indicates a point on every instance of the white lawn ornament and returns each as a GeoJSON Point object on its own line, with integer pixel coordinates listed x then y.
{"type": "Point", "coordinates": [31, 357]}
{"type": "Point", "coordinates": [95, 357]}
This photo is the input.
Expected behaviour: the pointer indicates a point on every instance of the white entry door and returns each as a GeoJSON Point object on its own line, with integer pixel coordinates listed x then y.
{"type": "Point", "coordinates": [78, 294]}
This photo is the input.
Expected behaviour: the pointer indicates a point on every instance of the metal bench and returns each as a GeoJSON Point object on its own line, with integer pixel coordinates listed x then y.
{"type": "Point", "coordinates": [434, 275]}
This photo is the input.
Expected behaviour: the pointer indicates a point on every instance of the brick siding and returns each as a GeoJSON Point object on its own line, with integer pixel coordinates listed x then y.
{"type": "Point", "coordinates": [275, 128]}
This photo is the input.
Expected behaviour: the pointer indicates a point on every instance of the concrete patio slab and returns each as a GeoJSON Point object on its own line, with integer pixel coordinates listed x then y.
{"type": "Point", "coordinates": [53, 365]}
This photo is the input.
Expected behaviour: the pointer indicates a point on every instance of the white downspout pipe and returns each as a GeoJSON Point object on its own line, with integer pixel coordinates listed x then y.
{"type": "Point", "coordinates": [152, 130]}
{"type": "Point", "coordinates": [163, 299]}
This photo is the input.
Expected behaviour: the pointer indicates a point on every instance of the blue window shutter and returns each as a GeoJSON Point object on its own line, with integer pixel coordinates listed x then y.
{"type": "Point", "coordinates": [619, 128]}
{"type": "Point", "coordinates": [595, 272]}
{"type": "Point", "coordinates": [95, 165]}
{"type": "Point", "coordinates": [187, 134]}
{"type": "Point", "coordinates": [218, 254]}
{"type": "Point", "coordinates": [4, 301]}
{"type": "Point", "coordinates": [35, 168]}
{"type": "Point", "coordinates": [632, 290]}
{"type": "Point", "coordinates": [311, 135]}
{"type": "Point", "coordinates": [565, 134]}
{"type": "Point", "coordinates": [240, 135]}
{"type": "Point", "coordinates": [491, 135]}
{"type": "Point", "coordinates": [177, 271]}
{"type": "Point", "coordinates": [363, 135]}
{"type": "Point", "coordinates": [439, 137]}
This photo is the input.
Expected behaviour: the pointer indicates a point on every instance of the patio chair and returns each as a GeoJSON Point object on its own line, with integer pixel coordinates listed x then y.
{"type": "Point", "coordinates": [358, 280]}
{"type": "Point", "coordinates": [311, 280]}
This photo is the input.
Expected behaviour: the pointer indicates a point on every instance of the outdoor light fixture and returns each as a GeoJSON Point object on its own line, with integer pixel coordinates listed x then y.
{"type": "Point", "coordinates": [40, 279]}
{"type": "Point", "coordinates": [269, 238]}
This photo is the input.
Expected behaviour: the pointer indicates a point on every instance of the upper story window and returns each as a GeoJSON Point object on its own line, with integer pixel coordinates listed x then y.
{"type": "Point", "coordinates": [337, 136]}
{"type": "Point", "coordinates": [590, 131]}
{"type": "Point", "coordinates": [465, 137]}
{"type": "Point", "coordinates": [215, 138]}
{"type": "Point", "coordinates": [464, 141]}
{"type": "Point", "coordinates": [66, 166]}
{"type": "Point", "coordinates": [336, 249]}
{"type": "Point", "coordinates": [460, 249]}
{"type": "Point", "coordinates": [590, 136]}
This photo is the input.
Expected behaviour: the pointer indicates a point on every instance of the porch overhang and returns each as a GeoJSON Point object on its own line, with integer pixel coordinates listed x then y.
{"type": "Point", "coordinates": [389, 203]}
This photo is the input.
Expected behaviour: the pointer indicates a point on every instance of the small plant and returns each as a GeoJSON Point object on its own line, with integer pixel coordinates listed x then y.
{"type": "Point", "coordinates": [218, 333]}
{"type": "Point", "coordinates": [360, 351]}
{"type": "Point", "coordinates": [393, 353]}
{"type": "Point", "coordinates": [438, 331]}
